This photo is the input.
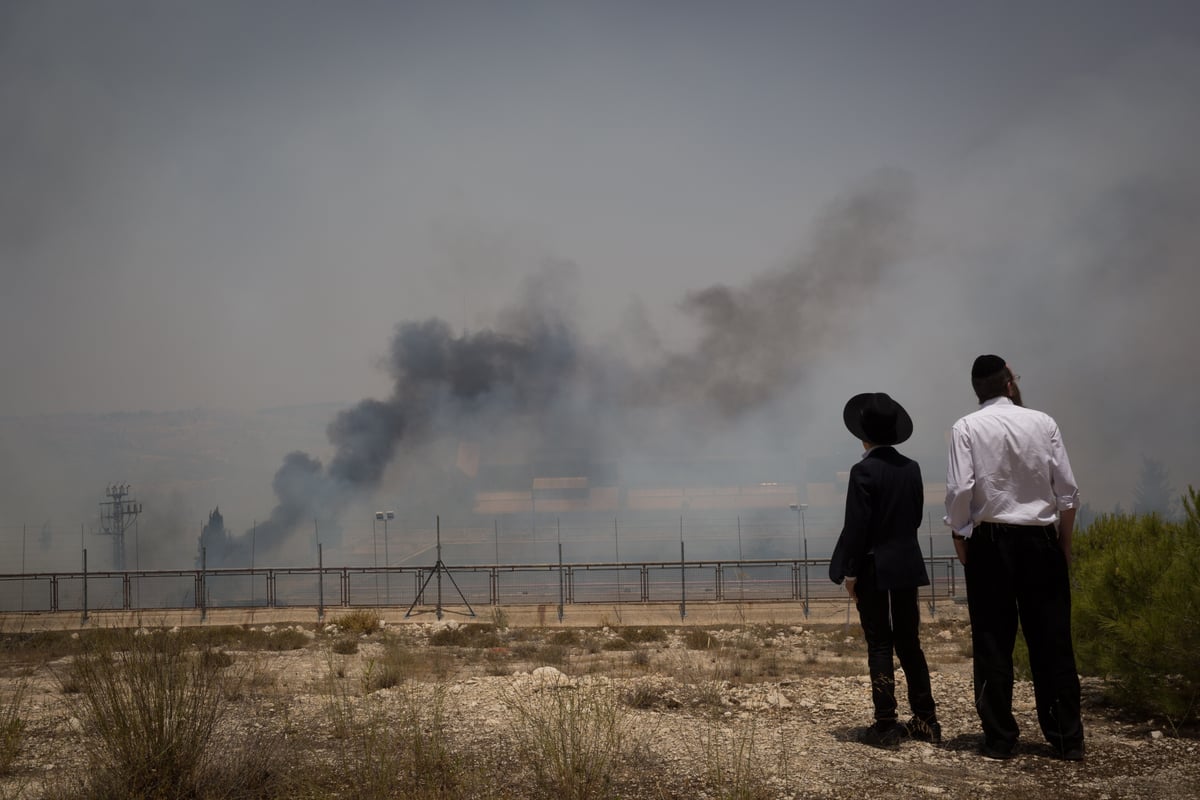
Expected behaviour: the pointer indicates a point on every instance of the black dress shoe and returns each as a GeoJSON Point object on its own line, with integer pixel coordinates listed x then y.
{"type": "Point", "coordinates": [996, 751]}
{"type": "Point", "coordinates": [924, 731]}
{"type": "Point", "coordinates": [1072, 753]}
{"type": "Point", "coordinates": [884, 733]}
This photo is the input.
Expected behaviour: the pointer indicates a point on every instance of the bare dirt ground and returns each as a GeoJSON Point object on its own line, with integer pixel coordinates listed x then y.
{"type": "Point", "coordinates": [758, 710]}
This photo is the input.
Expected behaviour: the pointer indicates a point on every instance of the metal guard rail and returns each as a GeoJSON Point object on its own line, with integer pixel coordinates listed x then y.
{"type": "Point", "coordinates": [576, 583]}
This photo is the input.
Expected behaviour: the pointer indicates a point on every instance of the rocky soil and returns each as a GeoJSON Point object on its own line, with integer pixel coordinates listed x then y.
{"type": "Point", "coordinates": [765, 711]}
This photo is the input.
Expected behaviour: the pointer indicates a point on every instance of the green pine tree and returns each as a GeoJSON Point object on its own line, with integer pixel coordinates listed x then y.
{"type": "Point", "coordinates": [1136, 609]}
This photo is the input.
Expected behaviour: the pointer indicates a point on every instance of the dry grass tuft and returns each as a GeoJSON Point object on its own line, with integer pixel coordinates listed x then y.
{"type": "Point", "coordinates": [150, 706]}
{"type": "Point", "coordinates": [12, 727]}
{"type": "Point", "coordinates": [574, 738]}
{"type": "Point", "coordinates": [360, 622]}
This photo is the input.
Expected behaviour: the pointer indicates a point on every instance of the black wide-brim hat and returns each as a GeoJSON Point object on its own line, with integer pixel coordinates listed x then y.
{"type": "Point", "coordinates": [876, 418]}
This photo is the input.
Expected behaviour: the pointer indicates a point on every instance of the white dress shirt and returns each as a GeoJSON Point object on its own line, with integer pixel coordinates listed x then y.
{"type": "Point", "coordinates": [1008, 464]}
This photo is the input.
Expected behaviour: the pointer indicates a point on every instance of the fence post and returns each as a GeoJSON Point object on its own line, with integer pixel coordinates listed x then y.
{"type": "Point", "coordinates": [932, 582]}
{"type": "Point", "coordinates": [561, 587]}
{"type": "Point", "coordinates": [807, 595]}
{"type": "Point", "coordinates": [682, 576]}
{"type": "Point", "coordinates": [203, 586]}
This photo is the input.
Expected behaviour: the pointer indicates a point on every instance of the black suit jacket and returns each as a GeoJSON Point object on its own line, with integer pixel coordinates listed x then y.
{"type": "Point", "coordinates": [884, 508]}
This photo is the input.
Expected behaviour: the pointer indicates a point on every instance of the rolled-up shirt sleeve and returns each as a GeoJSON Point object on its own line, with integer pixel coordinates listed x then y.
{"type": "Point", "coordinates": [960, 483]}
{"type": "Point", "coordinates": [1066, 491]}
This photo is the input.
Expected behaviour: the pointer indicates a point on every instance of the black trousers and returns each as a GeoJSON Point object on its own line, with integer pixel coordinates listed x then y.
{"type": "Point", "coordinates": [1017, 572]}
{"type": "Point", "coordinates": [891, 620]}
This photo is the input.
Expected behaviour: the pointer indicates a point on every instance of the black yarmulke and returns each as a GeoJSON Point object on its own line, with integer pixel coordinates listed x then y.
{"type": "Point", "coordinates": [986, 366]}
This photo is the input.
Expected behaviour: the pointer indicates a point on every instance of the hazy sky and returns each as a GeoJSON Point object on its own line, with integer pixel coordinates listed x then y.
{"type": "Point", "coordinates": [232, 204]}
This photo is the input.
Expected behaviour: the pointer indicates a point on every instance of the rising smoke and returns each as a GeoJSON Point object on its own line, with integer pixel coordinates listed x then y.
{"type": "Point", "coordinates": [533, 372]}
{"type": "Point", "coordinates": [1056, 226]}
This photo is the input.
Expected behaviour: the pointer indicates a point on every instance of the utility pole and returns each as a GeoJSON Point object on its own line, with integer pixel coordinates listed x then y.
{"type": "Point", "coordinates": [117, 513]}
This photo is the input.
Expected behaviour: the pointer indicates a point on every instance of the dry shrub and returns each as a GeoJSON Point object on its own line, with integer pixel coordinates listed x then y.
{"type": "Point", "coordinates": [565, 637]}
{"type": "Point", "coordinates": [708, 696]}
{"type": "Point", "coordinates": [216, 659]}
{"type": "Point", "coordinates": [361, 622]}
{"type": "Point", "coordinates": [646, 695]}
{"type": "Point", "coordinates": [644, 635]}
{"type": "Point", "coordinates": [214, 636]}
{"type": "Point", "coordinates": [399, 663]}
{"type": "Point", "coordinates": [12, 727]}
{"type": "Point", "coordinates": [551, 655]}
{"type": "Point", "coordinates": [496, 661]}
{"type": "Point", "coordinates": [573, 738]}
{"type": "Point", "coordinates": [286, 639]}
{"type": "Point", "coordinates": [150, 707]}
{"type": "Point", "coordinates": [345, 647]}
{"type": "Point", "coordinates": [478, 635]}
{"type": "Point", "coordinates": [46, 645]}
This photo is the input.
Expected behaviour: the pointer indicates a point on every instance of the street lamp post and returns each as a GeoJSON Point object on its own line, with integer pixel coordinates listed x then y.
{"type": "Point", "coordinates": [802, 546]}
{"type": "Point", "coordinates": [385, 516]}
{"type": "Point", "coordinates": [375, 546]}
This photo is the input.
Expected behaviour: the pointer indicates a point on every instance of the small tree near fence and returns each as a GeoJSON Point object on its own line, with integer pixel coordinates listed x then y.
{"type": "Point", "coordinates": [1136, 615]}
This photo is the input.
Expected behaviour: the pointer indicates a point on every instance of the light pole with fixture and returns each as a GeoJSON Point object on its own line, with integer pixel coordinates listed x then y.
{"type": "Point", "coordinates": [387, 577]}
{"type": "Point", "coordinates": [802, 546]}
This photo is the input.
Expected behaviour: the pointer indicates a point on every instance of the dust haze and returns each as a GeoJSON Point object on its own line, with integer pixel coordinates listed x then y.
{"type": "Point", "coordinates": [292, 264]}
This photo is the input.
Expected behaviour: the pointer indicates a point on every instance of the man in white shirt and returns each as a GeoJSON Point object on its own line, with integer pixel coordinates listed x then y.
{"type": "Point", "coordinates": [1010, 503]}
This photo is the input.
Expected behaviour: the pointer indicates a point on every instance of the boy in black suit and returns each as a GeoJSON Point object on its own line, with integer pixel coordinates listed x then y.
{"type": "Point", "coordinates": [879, 558]}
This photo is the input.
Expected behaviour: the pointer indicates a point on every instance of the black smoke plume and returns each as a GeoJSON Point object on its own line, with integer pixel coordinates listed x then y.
{"type": "Point", "coordinates": [532, 377]}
